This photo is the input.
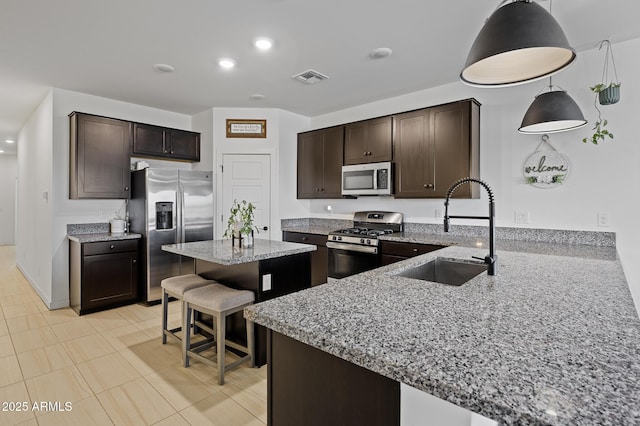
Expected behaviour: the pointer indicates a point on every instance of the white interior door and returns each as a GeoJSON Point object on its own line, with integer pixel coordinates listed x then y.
{"type": "Point", "coordinates": [248, 177]}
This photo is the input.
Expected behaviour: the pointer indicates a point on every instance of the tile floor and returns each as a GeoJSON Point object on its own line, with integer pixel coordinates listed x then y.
{"type": "Point", "coordinates": [109, 368]}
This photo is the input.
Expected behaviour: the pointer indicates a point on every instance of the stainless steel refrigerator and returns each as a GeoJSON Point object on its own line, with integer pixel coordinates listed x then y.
{"type": "Point", "coordinates": [167, 207]}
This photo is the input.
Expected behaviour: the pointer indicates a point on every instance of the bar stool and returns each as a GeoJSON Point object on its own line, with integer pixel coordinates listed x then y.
{"type": "Point", "coordinates": [220, 302]}
{"type": "Point", "coordinates": [176, 287]}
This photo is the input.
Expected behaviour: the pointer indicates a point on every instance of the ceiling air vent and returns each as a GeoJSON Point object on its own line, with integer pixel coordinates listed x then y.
{"type": "Point", "coordinates": [310, 77]}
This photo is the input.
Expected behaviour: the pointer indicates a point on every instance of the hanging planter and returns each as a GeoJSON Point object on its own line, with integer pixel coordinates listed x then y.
{"type": "Point", "coordinates": [610, 95]}
{"type": "Point", "coordinates": [606, 93]}
{"type": "Point", "coordinates": [609, 89]}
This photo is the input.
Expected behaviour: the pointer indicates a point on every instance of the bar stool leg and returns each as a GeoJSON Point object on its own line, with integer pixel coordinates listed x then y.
{"type": "Point", "coordinates": [186, 332]}
{"type": "Point", "coordinates": [220, 340]}
{"type": "Point", "coordinates": [250, 344]}
{"type": "Point", "coordinates": [165, 307]}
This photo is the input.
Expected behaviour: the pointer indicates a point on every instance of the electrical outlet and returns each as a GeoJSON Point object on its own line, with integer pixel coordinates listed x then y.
{"type": "Point", "coordinates": [438, 213]}
{"type": "Point", "coordinates": [521, 217]}
{"type": "Point", "coordinates": [603, 219]}
{"type": "Point", "coordinates": [266, 282]}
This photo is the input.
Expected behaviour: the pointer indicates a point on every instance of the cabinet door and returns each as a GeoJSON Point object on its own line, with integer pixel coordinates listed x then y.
{"type": "Point", "coordinates": [109, 279]}
{"type": "Point", "coordinates": [434, 147]}
{"type": "Point", "coordinates": [319, 257]}
{"type": "Point", "coordinates": [333, 149]}
{"type": "Point", "coordinates": [310, 163]}
{"type": "Point", "coordinates": [148, 141]}
{"type": "Point", "coordinates": [183, 145]}
{"type": "Point", "coordinates": [451, 148]}
{"type": "Point", "coordinates": [413, 160]}
{"type": "Point", "coordinates": [99, 148]}
{"type": "Point", "coordinates": [368, 141]}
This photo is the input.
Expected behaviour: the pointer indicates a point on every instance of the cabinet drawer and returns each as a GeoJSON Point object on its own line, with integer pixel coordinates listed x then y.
{"type": "Point", "coordinates": [105, 247]}
{"type": "Point", "coordinates": [300, 237]}
{"type": "Point", "coordinates": [406, 249]}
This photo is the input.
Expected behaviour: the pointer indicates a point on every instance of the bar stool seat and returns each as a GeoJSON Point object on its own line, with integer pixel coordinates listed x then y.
{"type": "Point", "coordinates": [176, 287]}
{"type": "Point", "coordinates": [219, 301]}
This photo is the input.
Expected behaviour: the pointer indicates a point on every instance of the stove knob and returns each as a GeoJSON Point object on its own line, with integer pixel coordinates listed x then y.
{"type": "Point", "coordinates": [369, 242]}
{"type": "Point", "coordinates": [361, 240]}
{"type": "Point", "coordinates": [339, 238]}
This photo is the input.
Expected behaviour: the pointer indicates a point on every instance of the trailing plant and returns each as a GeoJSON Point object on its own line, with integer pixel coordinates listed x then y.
{"type": "Point", "coordinates": [242, 215]}
{"type": "Point", "coordinates": [600, 133]}
{"type": "Point", "coordinates": [612, 96]}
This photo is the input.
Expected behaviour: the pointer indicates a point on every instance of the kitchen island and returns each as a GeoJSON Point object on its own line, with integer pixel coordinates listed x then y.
{"type": "Point", "coordinates": [552, 339]}
{"type": "Point", "coordinates": [269, 269]}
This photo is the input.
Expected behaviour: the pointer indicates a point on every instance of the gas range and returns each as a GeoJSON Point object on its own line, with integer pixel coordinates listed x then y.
{"type": "Point", "coordinates": [368, 226]}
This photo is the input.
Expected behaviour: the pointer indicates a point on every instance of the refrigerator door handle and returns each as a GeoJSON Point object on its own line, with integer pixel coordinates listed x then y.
{"type": "Point", "coordinates": [180, 213]}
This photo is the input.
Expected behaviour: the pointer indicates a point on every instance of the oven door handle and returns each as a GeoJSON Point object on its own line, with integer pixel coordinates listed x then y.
{"type": "Point", "coordinates": [352, 247]}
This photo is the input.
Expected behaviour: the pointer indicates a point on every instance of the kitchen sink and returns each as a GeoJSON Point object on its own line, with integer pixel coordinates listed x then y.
{"type": "Point", "coordinates": [446, 271]}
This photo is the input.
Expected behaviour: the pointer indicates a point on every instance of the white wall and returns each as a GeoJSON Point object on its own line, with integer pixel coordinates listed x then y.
{"type": "Point", "coordinates": [43, 156]}
{"type": "Point", "coordinates": [203, 123]}
{"type": "Point", "coordinates": [34, 221]}
{"type": "Point", "coordinates": [280, 144]}
{"type": "Point", "coordinates": [8, 176]}
{"type": "Point", "coordinates": [603, 178]}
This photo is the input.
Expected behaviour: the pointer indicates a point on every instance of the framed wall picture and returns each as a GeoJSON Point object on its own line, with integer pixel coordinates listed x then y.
{"type": "Point", "coordinates": [244, 128]}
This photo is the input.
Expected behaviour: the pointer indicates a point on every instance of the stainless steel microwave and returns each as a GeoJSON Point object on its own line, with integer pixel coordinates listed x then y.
{"type": "Point", "coordinates": [367, 179]}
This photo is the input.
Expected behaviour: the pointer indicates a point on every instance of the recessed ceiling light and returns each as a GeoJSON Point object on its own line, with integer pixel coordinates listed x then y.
{"type": "Point", "coordinates": [1, 151]}
{"type": "Point", "coordinates": [256, 97]}
{"type": "Point", "coordinates": [164, 67]}
{"type": "Point", "coordinates": [263, 43]}
{"type": "Point", "coordinates": [10, 141]}
{"type": "Point", "coordinates": [381, 52]}
{"type": "Point", "coordinates": [227, 63]}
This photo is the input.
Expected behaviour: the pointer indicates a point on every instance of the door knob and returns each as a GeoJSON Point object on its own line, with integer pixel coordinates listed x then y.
{"type": "Point", "coordinates": [265, 228]}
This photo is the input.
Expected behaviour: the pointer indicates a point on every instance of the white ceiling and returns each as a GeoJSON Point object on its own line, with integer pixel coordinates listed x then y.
{"type": "Point", "coordinates": [108, 48]}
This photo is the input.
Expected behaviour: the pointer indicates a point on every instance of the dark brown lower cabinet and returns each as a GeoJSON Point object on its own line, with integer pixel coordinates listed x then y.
{"type": "Point", "coordinates": [319, 258]}
{"type": "Point", "coordinates": [395, 251]}
{"type": "Point", "coordinates": [102, 275]}
{"type": "Point", "coordinates": [288, 274]}
{"type": "Point", "coordinates": [307, 386]}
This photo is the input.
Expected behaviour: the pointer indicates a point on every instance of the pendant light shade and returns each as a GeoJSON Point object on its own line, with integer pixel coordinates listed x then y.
{"type": "Point", "coordinates": [519, 43]}
{"type": "Point", "coordinates": [552, 112]}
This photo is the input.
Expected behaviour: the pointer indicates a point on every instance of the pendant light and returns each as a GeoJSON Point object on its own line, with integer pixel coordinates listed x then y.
{"type": "Point", "coordinates": [552, 112]}
{"type": "Point", "coordinates": [519, 43]}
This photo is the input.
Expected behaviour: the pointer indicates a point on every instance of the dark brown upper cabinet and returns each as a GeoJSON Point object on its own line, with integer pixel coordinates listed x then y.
{"type": "Point", "coordinates": [99, 157]}
{"type": "Point", "coordinates": [320, 156]}
{"type": "Point", "coordinates": [166, 144]}
{"type": "Point", "coordinates": [434, 147]}
{"type": "Point", "coordinates": [368, 141]}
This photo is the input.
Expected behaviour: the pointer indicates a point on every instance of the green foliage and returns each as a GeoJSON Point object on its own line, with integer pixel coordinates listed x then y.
{"type": "Point", "coordinates": [600, 87]}
{"type": "Point", "coordinates": [241, 213]}
{"type": "Point", "coordinates": [600, 133]}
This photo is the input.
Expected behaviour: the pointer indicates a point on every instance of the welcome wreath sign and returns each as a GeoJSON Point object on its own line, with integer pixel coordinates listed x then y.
{"type": "Point", "coordinates": [546, 168]}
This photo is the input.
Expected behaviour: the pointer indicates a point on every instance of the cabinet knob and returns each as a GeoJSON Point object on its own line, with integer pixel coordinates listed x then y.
{"type": "Point", "coordinates": [172, 151]}
{"type": "Point", "coordinates": [265, 228]}
{"type": "Point", "coordinates": [415, 250]}
{"type": "Point", "coordinates": [428, 186]}
{"type": "Point", "coordinates": [134, 260]}
{"type": "Point", "coordinates": [112, 246]}
{"type": "Point", "coordinates": [305, 238]}
{"type": "Point", "coordinates": [369, 153]}
{"type": "Point", "coordinates": [165, 151]}
{"type": "Point", "coordinates": [364, 153]}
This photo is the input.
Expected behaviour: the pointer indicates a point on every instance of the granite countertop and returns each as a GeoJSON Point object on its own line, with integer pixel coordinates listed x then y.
{"type": "Point", "coordinates": [594, 245]}
{"type": "Point", "coordinates": [552, 339]}
{"type": "Point", "coordinates": [221, 251]}
{"type": "Point", "coordinates": [96, 232]}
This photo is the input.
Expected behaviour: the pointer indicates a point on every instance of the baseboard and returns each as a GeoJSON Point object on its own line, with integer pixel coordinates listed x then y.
{"type": "Point", "coordinates": [31, 282]}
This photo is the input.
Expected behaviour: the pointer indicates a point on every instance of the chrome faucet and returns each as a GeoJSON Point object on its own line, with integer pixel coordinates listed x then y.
{"type": "Point", "coordinates": [492, 259]}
